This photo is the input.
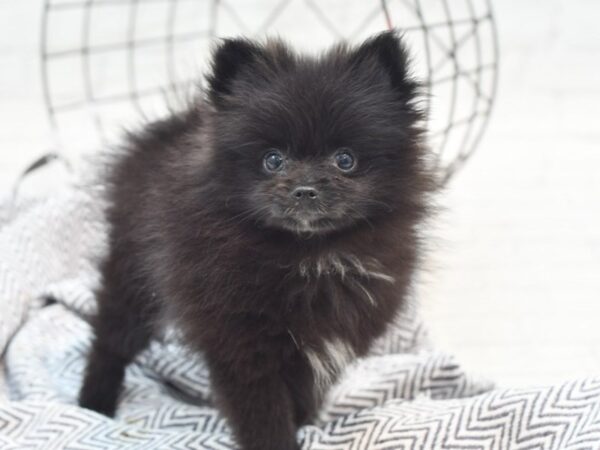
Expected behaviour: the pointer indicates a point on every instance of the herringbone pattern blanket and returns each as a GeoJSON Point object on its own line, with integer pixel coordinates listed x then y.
{"type": "Point", "coordinates": [404, 396]}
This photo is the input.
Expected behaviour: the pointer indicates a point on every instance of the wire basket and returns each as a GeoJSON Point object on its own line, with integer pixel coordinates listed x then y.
{"type": "Point", "coordinates": [105, 63]}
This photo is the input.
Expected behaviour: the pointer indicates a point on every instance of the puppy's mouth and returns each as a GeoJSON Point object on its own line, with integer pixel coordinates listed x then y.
{"type": "Point", "coordinates": [308, 226]}
{"type": "Point", "coordinates": [302, 221]}
{"type": "Point", "coordinates": [304, 217]}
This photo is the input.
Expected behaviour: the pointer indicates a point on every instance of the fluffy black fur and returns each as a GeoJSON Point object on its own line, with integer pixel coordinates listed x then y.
{"type": "Point", "coordinates": [278, 288]}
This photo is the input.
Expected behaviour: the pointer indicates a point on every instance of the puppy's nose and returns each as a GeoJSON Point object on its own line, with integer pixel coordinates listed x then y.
{"type": "Point", "coordinates": [305, 193]}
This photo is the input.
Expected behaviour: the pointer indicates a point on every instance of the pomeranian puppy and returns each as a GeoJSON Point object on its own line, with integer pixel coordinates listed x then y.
{"type": "Point", "coordinates": [275, 220]}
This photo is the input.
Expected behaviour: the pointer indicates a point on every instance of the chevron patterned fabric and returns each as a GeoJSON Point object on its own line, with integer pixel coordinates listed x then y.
{"type": "Point", "coordinates": [403, 396]}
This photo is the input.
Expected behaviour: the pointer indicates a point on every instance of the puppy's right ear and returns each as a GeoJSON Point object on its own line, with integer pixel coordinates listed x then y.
{"type": "Point", "coordinates": [230, 59]}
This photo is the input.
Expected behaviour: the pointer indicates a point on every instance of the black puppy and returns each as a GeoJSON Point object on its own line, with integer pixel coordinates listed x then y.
{"type": "Point", "coordinates": [275, 221]}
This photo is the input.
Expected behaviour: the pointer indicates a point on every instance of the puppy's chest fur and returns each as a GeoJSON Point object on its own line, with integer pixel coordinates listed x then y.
{"type": "Point", "coordinates": [345, 268]}
{"type": "Point", "coordinates": [348, 301]}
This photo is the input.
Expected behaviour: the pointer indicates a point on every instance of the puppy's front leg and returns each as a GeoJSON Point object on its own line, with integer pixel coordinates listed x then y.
{"type": "Point", "coordinates": [258, 405]}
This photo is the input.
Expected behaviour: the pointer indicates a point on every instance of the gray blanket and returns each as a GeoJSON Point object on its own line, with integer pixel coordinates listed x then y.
{"type": "Point", "coordinates": [404, 396]}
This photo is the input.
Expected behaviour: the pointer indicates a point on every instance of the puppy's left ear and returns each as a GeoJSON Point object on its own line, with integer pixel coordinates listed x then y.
{"type": "Point", "coordinates": [230, 59]}
{"type": "Point", "coordinates": [387, 51]}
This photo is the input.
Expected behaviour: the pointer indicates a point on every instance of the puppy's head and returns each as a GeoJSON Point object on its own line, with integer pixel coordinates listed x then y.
{"type": "Point", "coordinates": [316, 144]}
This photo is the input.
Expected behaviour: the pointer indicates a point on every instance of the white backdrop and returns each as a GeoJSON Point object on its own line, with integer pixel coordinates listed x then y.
{"type": "Point", "coordinates": [514, 276]}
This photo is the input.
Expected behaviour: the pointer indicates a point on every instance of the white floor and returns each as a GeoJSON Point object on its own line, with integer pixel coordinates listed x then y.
{"type": "Point", "coordinates": [513, 286]}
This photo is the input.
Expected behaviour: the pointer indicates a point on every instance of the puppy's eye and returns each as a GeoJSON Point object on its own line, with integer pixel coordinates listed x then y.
{"type": "Point", "coordinates": [344, 160]}
{"type": "Point", "coordinates": [273, 161]}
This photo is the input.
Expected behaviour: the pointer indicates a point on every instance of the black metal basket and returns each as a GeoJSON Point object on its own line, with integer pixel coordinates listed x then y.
{"type": "Point", "coordinates": [137, 57]}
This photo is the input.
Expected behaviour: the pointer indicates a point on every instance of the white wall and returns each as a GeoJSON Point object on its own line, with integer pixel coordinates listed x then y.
{"type": "Point", "coordinates": [23, 129]}
{"type": "Point", "coordinates": [516, 292]}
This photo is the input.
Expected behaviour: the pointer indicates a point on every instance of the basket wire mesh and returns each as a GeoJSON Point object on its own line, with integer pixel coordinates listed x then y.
{"type": "Point", "coordinates": [106, 63]}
